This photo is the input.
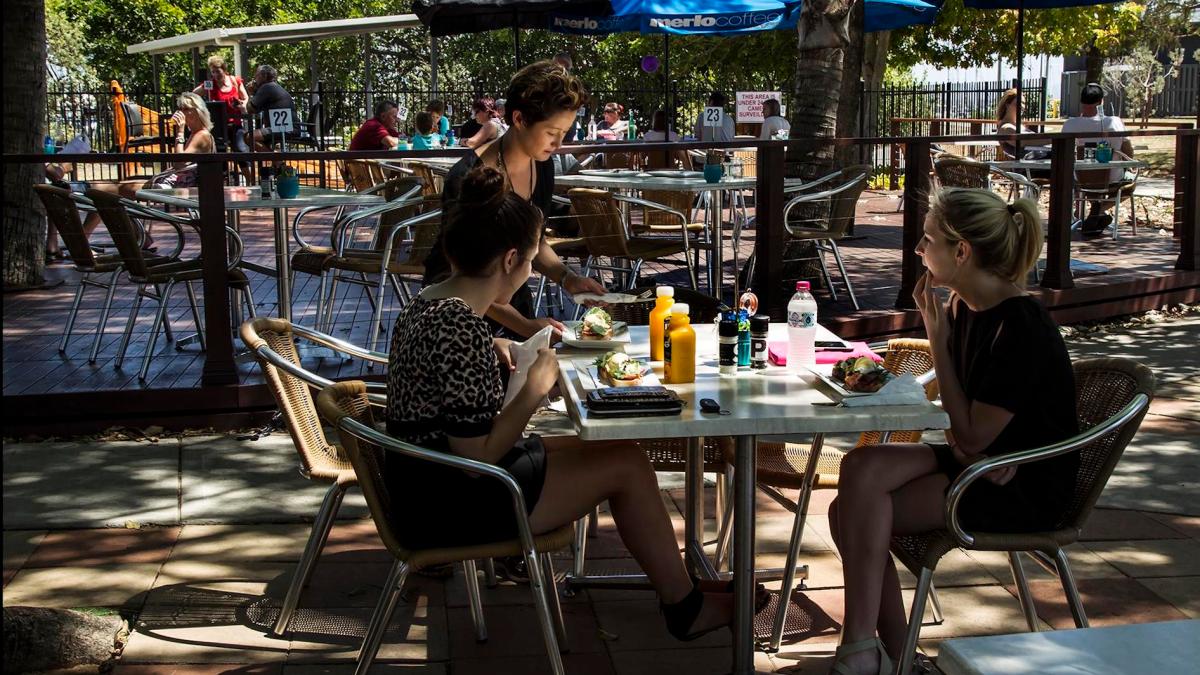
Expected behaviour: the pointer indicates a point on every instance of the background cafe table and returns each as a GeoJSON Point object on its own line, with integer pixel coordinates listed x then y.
{"type": "Point", "coordinates": [644, 181]}
{"type": "Point", "coordinates": [760, 403]}
{"type": "Point", "coordinates": [244, 198]}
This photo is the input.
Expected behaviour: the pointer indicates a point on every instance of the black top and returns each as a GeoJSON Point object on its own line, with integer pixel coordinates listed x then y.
{"type": "Point", "coordinates": [1012, 356]}
{"type": "Point", "coordinates": [469, 129]}
{"type": "Point", "coordinates": [436, 265]}
{"type": "Point", "coordinates": [272, 96]}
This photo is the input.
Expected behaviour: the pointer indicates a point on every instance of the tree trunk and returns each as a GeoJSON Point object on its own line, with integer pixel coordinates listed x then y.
{"type": "Point", "coordinates": [24, 94]}
{"type": "Point", "coordinates": [823, 29]}
{"type": "Point", "coordinates": [851, 101]}
{"type": "Point", "coordinates": [38, 639]}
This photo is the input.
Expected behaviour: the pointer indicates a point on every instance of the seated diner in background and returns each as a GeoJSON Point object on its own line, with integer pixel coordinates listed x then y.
{"type": "Point", "coordinates": [1006, 383]}
{"type": "Point", "coordinates": [380, 132]}
{"type": "Point", "coordinates": [773, 124]}
{"type": "Point", "coordinates": [230, 90]}
{"type": "Point", "coordinates": [672, 159]}
{"type": "Point", "coordinates": [1091, 118]}
{"type": "Point", "coordinates": [438, 110]}
{"type": "Point", "coordinates": [485, 127]}
{"type": "Point", "coordinates": [267, 94]}
{"type": "Point", "coordinates": [56, 175]}
{"type": "Point", "coordinates": [446, 393]}
{"type": "Point", "coordinates": [725, 132]}
{"type": "Point", "coordinates": [612, 127]}
{"type": "Point", "coordinates": [542, 100]}
{"type": "Point", "coordinates": [425, 138]}
{"type": "Point", "coordinates": [1006, 123]}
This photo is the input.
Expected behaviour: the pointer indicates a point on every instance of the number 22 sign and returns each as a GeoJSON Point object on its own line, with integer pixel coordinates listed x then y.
{"type": "Point", "coordinates": [279, 120]}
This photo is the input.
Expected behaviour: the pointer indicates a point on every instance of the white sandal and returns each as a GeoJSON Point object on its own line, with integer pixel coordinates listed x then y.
{"type": "Point", "coordinates": [885, 664]}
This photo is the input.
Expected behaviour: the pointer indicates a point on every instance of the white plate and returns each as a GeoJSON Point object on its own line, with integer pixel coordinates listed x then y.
{"type": "Point", "coordinates": [620, 337]}
{"type": "Point", "coordinates": [613, 173]}
{"type": "Point", "coordinates": [676, 174]}
{"type": "Point", "coordinates": [839, 391]}
{"type": "Point", "coordinates": [608, 298]}
{"type": "Point", "coordinates": [589, 376]}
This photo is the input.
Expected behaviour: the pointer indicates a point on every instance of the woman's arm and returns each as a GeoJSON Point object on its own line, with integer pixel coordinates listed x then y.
{"type": "Point", "coordinates": [482, 137]}
{"type": "Point", "coordinates": [509, 425]}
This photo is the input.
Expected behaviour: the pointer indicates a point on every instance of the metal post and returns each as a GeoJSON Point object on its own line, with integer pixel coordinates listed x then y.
{"type": "Point", "coordinates": [219, 367]}
{"type": "Point", "coordinates": [241, 59]}
{"type": "Point", "coordinates": [916, 194]}
{"type": "Point", "coordinates": [313, 75]}
{"type": "Point", "coordinates": [768, 240]}
{"type": "Point", "coordinates": [1020, 73]}
{"type": "Point", "coordinates": [368, 75]}
{"type": "Point", "coordinates": [195, 63]}
{"type": "Point", "coordinates": [743, 555]}
{"type": "Point", "coordinates": [433, 65]}
{"type": "Point", "coordinates": [1187, 201]}
{"type": "Point", "coordinates": [1058, 242]}
{"type": "Point", "coordinates": [155, 63]}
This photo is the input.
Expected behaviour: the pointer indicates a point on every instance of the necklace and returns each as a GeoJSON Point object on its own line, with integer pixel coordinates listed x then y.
{"type": "Point", "coordinates": [504, 169]}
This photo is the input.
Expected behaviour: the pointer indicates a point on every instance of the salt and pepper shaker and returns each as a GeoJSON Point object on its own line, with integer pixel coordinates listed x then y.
{"type": "Point", "coordinates": [759, 326]}
{"type": "Point", "coordinates": [727, 343]}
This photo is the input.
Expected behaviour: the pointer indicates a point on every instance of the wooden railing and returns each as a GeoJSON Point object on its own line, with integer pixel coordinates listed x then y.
{"type": "Point", "coordinates": [769, 241]}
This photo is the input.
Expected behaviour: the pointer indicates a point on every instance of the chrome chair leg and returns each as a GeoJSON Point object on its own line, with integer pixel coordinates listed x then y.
{"type": "Point", "coordinates": [580, 546]}
{"type": "Point", "coordinates": [789, 569]}
{"type": "Point", "coordinates": [248, 296]}
{"type": "Point", "coordinates": [825, 271]}
{"type": "Point", "coordinates": [551, 590]}
{"type": "Point", "coordinates": [1022, 583]}
{"type": "Point", "coordinates": [382, 616]}
{"type": "Point", "coordinates": [471, 578]}
{"type": "Point", "coordinates": [159, 317]}
{"type": "Point", "coordinates": [724, 534]}
{"type": "Point", "coordinates": [915, 617]}
{"type": "Point", "coordinates": [133, 312]}
{"type": "Point", "coordinates": [545, 618]}
{"type": "Point", "coordinates": [108, 299]}
{"type": "Point", "coordinates": [593, 528]}
{"type": "Point", "coordinates": [62, 346]}
{"type": "Point", "coordinates": [377, 315]}
{"type": "Point", "coordinates": [308, 560]}
{"type": "Point", "coordinates": [837, 255]}
{"type": "Point", "coordinates": [935, 607]}
{"type": "Point", "coordinates": [191, 293]}
{"type": "Point", "coordinates": [539, 296]}
{"type": "Point", "coordinates": [1068, 583]}
{"type": "Point", "coordinates": [489, 573]}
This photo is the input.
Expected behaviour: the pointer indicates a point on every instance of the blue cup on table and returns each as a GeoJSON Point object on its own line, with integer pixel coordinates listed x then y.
{"type": "Point", "coordinates": [288, 187]}
{"type": "Point", "coordinates": [713, 172]}
{"type": "Point", "coordinates": [1104, 153]}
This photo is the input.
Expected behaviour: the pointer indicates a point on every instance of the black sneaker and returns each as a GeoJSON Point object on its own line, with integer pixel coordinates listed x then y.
{"type": "Point", "coordinates": [512, 568]}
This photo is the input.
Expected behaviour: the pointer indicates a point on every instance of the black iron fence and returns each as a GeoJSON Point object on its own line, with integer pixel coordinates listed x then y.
{"type": "Point", "coordinates": [1178, 97]}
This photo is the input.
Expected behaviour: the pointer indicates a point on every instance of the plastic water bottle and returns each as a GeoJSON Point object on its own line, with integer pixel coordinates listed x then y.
{"type": "Point", "coordinates": [592, 130]}
{"type": "Point", "coordinates": [802, 329]}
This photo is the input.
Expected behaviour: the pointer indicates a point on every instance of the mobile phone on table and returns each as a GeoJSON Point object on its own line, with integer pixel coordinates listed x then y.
{"type": "Point", "coordinates": [833, 346]}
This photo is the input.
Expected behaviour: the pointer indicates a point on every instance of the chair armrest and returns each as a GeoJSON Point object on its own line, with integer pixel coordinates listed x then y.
{"type": "Point", "coordinates": [308, 377]}
{"type": "Point", "coordinates": [651, 205]}
{"type": "Point", "coordinates": [816, 196]}
{"type": "Point", "coordinates": [340, 227]}
{"type": "Point", "coordinates": [405, 225]}
{"type": "Point", "coordinates": [139, 210]}
{"type": "Point", "coordinates": [356, 428]}
{"type": "Point", "coordinates": [972, 473]}
{"type": "Point", "coordinates": [339, 345]}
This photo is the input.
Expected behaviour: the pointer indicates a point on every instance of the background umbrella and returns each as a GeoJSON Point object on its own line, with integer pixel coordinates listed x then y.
{"type": "Point", "coordinates": [1020, 6]}
{"type": "Point", "coordinates": [454, 17]}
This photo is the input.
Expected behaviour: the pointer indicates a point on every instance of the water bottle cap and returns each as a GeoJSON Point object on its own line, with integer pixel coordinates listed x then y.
{"type": "Point", "coordinates": [803, 285]}
{"type": "Point", "coordinates": [680, 308]}
{"type": "Point", "coordinates": [665, 291]}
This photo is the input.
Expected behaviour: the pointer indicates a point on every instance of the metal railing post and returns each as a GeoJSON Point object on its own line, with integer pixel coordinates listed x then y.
{"type": "Point", "coordinates": [219, 367]}
{"type": "Point", "coordinates": [916, 203]}
{"type": "Point", "coordinates": [1187, 200]}
{"type": "Point", "coordinates": [769, 239]}
{"type": "Point", "coordinates": [1058, 241]}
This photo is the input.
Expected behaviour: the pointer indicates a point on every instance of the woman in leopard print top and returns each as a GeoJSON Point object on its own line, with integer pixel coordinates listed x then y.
{"type": "Point", "coordinates": [445, 393]}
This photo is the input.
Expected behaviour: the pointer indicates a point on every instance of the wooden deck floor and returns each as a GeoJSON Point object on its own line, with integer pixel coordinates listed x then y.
{"type": "Point", "coordinates": [34, 320]}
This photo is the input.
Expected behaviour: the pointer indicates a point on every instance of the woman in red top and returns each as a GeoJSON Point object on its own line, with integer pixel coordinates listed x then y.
{"type": "Point", "coordinates": [229, 90]}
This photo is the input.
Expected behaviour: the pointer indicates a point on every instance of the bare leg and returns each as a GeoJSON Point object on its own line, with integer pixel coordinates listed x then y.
{"type": "Point", "coordinates": [864, 529]}
{"type": "Point", "coordinates": [579, 476]}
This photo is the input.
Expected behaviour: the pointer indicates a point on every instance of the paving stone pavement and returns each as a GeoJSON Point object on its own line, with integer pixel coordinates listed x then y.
{"type": "Point", "coordinates": [195, 541]}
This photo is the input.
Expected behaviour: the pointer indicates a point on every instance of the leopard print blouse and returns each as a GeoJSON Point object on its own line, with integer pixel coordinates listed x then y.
{"type": "Point", "coordinates": [443, 375]}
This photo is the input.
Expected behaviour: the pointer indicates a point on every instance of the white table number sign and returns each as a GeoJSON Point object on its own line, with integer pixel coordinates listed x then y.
{"type": "Point", "coordinates": [714, 116]}
{"type": "Point", "coordinates": [280, 120]}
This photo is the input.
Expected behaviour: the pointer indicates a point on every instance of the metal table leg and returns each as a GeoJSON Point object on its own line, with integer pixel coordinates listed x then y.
{"type": "Point", "coordinates": [715, 262]}
{"type": "Point", "coordinates": [283, 265]}
{"type": "Point", "coordinates": [743, 555]}
{"type": "Point", "coordinates": [698, 562]}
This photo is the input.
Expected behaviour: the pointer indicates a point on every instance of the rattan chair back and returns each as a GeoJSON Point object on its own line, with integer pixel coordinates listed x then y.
{"type": "Point", "coordinates": [431, 182]}
{"type": "Point", "coordinates": [1102, 388]}
{"type": "Point", "coordinates": [702, 308]}
{"type": "Point", "coordinates": [62, 211]}
{"type": "Point", "coordinates": [675, 199]}
{"type": "Point", "coordinates": [349, 399]}
{"type": "Point", "coordinates": [905, 356]}
{"type": "Point", "coordinates": [600, 223]}
{"type": "Point", "coordinates": [321, 459]}
{"type": "Point", "coordinates": [960, 172]}
{"type": "Point", "coordinates": [124, 231]}
{"type": "Point", "coordinates": [360, 174]}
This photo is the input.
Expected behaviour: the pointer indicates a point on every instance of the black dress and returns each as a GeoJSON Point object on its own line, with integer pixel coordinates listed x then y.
{"type": "Point", "coordinates": [1012, 356]}
{"type": "Point", "coordinates": [444, 380]}
{"type": "Point", "coordinates": [437, 267]}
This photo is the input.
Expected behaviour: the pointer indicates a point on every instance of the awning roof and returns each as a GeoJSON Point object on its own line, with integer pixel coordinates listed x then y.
{"type": "Point", "coordinates": [287, 32]}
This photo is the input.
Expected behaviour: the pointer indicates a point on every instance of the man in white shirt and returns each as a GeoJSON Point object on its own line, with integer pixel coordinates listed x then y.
{"type": "Point", "coordinates": [722, 133]}
{"type": "Point", "coordinates": [1092, 118]}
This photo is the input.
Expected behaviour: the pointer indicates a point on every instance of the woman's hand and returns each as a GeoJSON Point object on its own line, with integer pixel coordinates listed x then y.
{"type": "Point", "coordinates": [543, 374]}
{"type": "Point", "coordinates": [503, 348]}
{"type": "Point", "coordinates": [536, 325]}
{"type": "Point", "coordinates": [577, 283]}
{"type": "Point", "coordinates": [933, 312]}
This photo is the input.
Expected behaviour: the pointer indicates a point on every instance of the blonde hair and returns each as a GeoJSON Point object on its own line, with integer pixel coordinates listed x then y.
{"type": "Point", "coordinates": [1006, 239]}
{"type": "Point", "coordinates": [190, 101]}
{"type": "Point", "coordinates": [1006, 100]}
{"type": "Point", "coordinates": [217, 61]}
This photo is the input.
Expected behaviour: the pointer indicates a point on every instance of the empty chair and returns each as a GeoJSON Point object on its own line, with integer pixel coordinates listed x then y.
{"type": "Point", "coordinates": [824, 211]}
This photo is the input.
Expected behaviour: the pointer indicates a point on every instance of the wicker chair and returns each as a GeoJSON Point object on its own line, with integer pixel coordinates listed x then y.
{"type": "Point", "coordinates": [346, 406]}
{"type": "Point", "coordinates": [961, 172]}
{"type": "Point", "coordinates": [814, 467]}
{"type": "Point", "coordinates": [825, 210]}
{"type": "Point", "coordinates": [62, 209]}
{"type": "Point", "coordinates": [118, 217]}
{"type": "Point", "coordinates": [272, 341]}
{"type": "Point", "coordinates": [1096, 186]}
{"type": "Point", "coordinates": [603, 229]}
{"type": "Point", "coordinates": [431, 182]}
{"type": "Point", "coordinates": [1112, 396]}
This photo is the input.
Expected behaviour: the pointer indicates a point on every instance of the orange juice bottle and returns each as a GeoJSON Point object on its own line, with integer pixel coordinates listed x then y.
{"type": "Point", "coordinates": [679, 347]}
{"type": "Point", "coordinates": [658, 320]}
